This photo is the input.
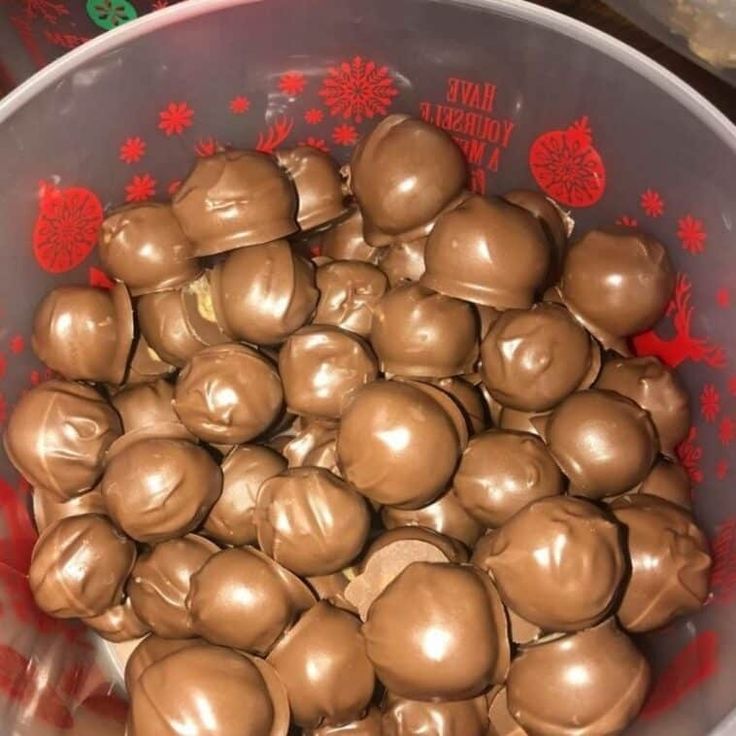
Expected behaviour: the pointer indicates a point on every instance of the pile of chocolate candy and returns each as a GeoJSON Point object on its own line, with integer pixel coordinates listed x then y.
{"type": "Point", "coordinates": [398, 474]}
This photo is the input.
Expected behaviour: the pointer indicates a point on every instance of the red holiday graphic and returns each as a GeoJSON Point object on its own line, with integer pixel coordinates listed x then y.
{"type": "Point", "coordinates": [723, 298]}
{"type": "Point", "coordinates": [239, 105]}
{"type": "Point", "coordinates": [313, 116]}
{"type": "Point", "coordinates": [276, 134]}
{"type": "Point", "coordinates": [17, 344]}
{"type": "Point", "coordinates": [46, 10]}
{"type": "Point", "coordinates": [627, 221]}
{"type": "Point", "coordinates": [723, 572]}
{"type": "Point", "coordinates": [207, 147]}
{"type": "Point", "coordinates": [692, 234]}
{"type": "Point", "coordinates": [318, 143]}
{"type": "Point", "coordinates": [726, 431]}
{"type": "Point", "coordinates": [140, 188]}
{"type": "Point", "coordinates": [691, 455]}
{"type": "Point", "coordinates": [710, 402]}
{"type": "Point", "coordinates": [176, 118]}
{"type": "Point", "coordinates": [98, 278]}
{"type": "Point", "coordinates": [132, 150]}
{"type": "Point", "coordinates": [722, 469]}
{"type": "Point", "coordinates": [292, 83]}
{"type": "Point", "coordinates": [66, 41]}
{"type": "Point", "coordinates": [345, 135]}
{"type": "Point", "coordinates": [652, 203]}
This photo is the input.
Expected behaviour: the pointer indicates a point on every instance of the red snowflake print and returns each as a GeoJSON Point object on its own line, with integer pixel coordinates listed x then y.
{"type": "Point", "coordinates": [710, 402]}
{"type": "Point", "coordinates": [726, 431]}
{"type": "Point", "coordinates": [205, 147]}
{"type": "Point", "coordinates": [17, 344]}
{"type": "Point", "coordinates": [345, 135]}
{"type": "Point", "coordinates": [292, 83]}
{"type": "Point", "coordinates": [652, 203]}
{"type": "Point", "coordinates": [314, 116]}
{"type": "Point", "coordinates": [723, 298]}
{"type": "Point", "coordinates": [132, 150]}
{"type": "Point", "coordinates": [3, 365]}
{"type": "Point", "coordinates": [690, 455]}
{"type": "Point", "coordinates": [317, 143]}
{"type": "Point", "coordinates": [627, 221]}
{"type": "Point", "coordinates": [722, 469]}
{"type": "Point", "coordinates": [175, 118]}
{"type": "Point", "coordinates": [358, 89]}
{"type": "Point", "coordinates": [692, 234]}
{"type": "Point", "coordinates": [44, 9]}
{"type": "Point", "coordinates": [239, 105]}
{"type": "Point", "coordinates": [140, 189]}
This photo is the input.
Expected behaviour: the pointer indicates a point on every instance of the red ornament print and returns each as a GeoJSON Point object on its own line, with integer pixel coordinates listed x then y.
{"type": "Point", "coordinates": [690, 455]}
{"type": "Point", "coordinates": [345, 135]}
{"type": "Point", "coordinates": [710, 402]}
{"type": "Point", "coordinates": [98, 278]}
{"type": "Point", "coordinates": [722, 469]}
{"type": "Point", "coordinates": [292, 83]}
{"type": "Point", "coordinates": [691, 233]}
{"type": "Point", "coordinates": [66, 227]}
{"type": "Point", "coordinates": [723, 572]}
{"type": "Point", "coordinates": [627, 221]}
{"type": "Point", "coordinates": [46, 10]}
{"type": "Point", "coordinates": [275, 135]}
{"type": "Point", "coordinates": [132, 150]}
{"type": "Point", "coordinates": [727, 431]}
{"type": "Point", "coordinates": [17, 344]}
{"type": "Point", "coordinates": [318, 143]}
{"type": "Point", "coordinates": [313, 116]}
{"type": "Point", "coordinates": [652, 203]}
{"type": "Point", "coordinates": [239, 105]}
{"type": "Point", "coordinates": [207, 147]}
{"type": "Point", "coordinates": [140, 189]}
{"type": "Point", "coordinates": [175, 118]}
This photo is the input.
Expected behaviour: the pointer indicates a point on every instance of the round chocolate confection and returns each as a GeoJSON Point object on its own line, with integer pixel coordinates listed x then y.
{"type": "Point", "coordinates": [311, 521]}
{"type": "Point", "coordinates": [425, 646]}
{"type": "Point", "coordinates": [85, 333]}
{"type": "Point", "coordinates": [344, 241]}
{"type": "Point", "coordinates": [322, 661]}
{"type": "Point", "coordinates": [604, 443]}
{"type": "Point", "coordinates": [502, 723]}
{"type": "Point", "coordinates": [403, 261]}
{"type": "Point", "coordinates": [321, 367]}
{"type": "Point", "coordinates": [590, 682]}
{"type": "Point", "coordinates": [369, 725]}
{"type": "Point", "coordinates": [533, 358]}
{"type": "Point", "coordinates": [47, 508]}
{"type": "Point", "coordinates": [656, 388]}
{"type": "Point", "coordinates": [146, 364]}
{"type": "Point", "coordinates": [243, 599]}
{"type": "Point", "coordinates": [470, 399]}
{"type": "Point", "coordinates": [331, 588]}
{"type": "Point", "coordinates": [403, 174]}
{"type": "Point", "coordinates": [234, 199]}
{"type": "Point", "coordinates": [144, 246]}
{"type": "Point", "coordinates": [417, 332]}
{"type": "Point", "coordinates": [348, 294]}
{"type": "Point", "coordinates": [158, 488]}
{"type": "Point", "coordinates": [119, 623]}
{"type": "Point", "coordinates": [558, 563]}
{"type": "Point", "coordinates": [670, 564]}
{"type": "Point", "coordinates": [617, 282]}
{"type": "Point", "coordinates": [264, 293]}
{"type": "Point", "coordinates": [65, 574]}
{"type": "Point", "coordinates": [244, 469]}
{"type": "Point", "coordinates": [500, 472]}
{"type": "Point", "coordinates": [397, 445]}
{"type": "Point", "coordinates": [520, 421]}
{"type": "Point", "coordinates": [228, 394]}
{"type": "Point", "coordinates": [670, 481]}
{"type": "Point", "coordinates": [403, 717]}
{"type": "Point", "coordinates": [310, 439]}
{"type": "Point", "coordinates": [152, 649]}
{"type": "Point", "coordinates": [58, 435]}
{"type": "Point", "coordinates": [147, 408]}
{"type": "Point", "coordinates": [161, 580]}
{"type": "Point", "coordinates": [489, 252]}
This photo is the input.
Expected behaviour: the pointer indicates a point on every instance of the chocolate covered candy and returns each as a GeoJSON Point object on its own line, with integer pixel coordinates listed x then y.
{"type": "Point", "coordinates": [146, 364]}
{"type": "Point", "coordinates": [150, 650]}
{"type": "Point", "coordinates": [470, 400]}
{"type": "Point", "coordinates": [370, 725]}
{"type": "Point", "coordinates": [403, 261]}
{"type": "Point", "coordinates": [345, 242]}
{"type": "Point", "coordinates": [118, 623]}
{"type": "Point", "coordinates": [668, 480]}
{"type": "Point", "coordinates": [403, 717]}
{"type": "Point", "coordinates": [502, 723]}
{"type": "Point", "coordinates": [47, 508]}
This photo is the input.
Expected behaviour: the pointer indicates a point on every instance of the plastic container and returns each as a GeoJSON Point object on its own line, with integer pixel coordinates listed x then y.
{"type": "Point", "coordinates": [534, 98]}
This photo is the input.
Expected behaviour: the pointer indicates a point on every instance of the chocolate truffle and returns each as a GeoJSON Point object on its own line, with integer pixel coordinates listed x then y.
{"type": "Point", "coordinates": [591, 682]}
{"type": "Point", "coordinates": [617, 282]}
{"type": "Point", "coordinates": [403, 261]}
{"type": "Point", "coordinates": [402, 717]}
{"type": "Point", "coordinates": [670, 563]}
{"type": "Point", "coordinates": [156, 488]}
{"type": "Point", "coordinates": [470, 400]}
{"type": "Point", "coordinates": [58, 435]}
{"type": "Point", "coordinates": [500, 472]}
{"type": "Point", "coordinates": [331, 588]}
{"type": "Point", "coordinates": [146, 408]}
{"type": "Point", "coordinates": [244, 468]}
{"type": "Point", "coordinates": [152, 649]}
{"type": "Point", "coordinates": [403, 174]}
{"type": "Point", "coordinates": [425, 646]}
{"type": "Point", "coordinates": [161, 580]}
{"type": "Point", "coordinates": [520, 421]}
{"type": "Point", "coordinates": [323, 663]}
{"type": "Point", "coordinates": [344, 241]}
{"type": "Point", "coordinates": [604, 443]}
{"type": "Point", "coordinates": [558, 563]}
{"type": "Point", "coordinates": [668, 480]}
{"type": "Point", "coordinates": [262, 294]}
{"type": "Point", "coordinates": [397, 445]}
{"type": "Point", "coordinates": [502, 723]}
{"type": "Point", "coordinates": [656, 388]}
{"type": "Point", "coordinates": [143, 245]}
{"type": "Point", "coordinates": [489, 252]}
{"type": "Point", "coordinates": [146, 364]}
{"type": "Point", "coordinates": [234, 199]}
{"type": "Point", "coordinates": [228, 394]}
{"type": "Point", "coordinates": [348, 294]}
{"type": "Point", "coordinates": [85, 333]}
{"type": "Point", "coordinates": [118, 623]}
{"type": "Point", "coordinates": [370, 725]}
{"type": "Point", "coordinates": [321, 367]}
{"type": "Point", "coordinates": [417, 332]}
{"type": "Point", "coordinates": [310, 438]}
{"type": "Point", "coordinates": [47, 508]}
{"type": "Point", "coordinates": [311, 521]}
{"type": "Point", "coordinates": [79, 567]}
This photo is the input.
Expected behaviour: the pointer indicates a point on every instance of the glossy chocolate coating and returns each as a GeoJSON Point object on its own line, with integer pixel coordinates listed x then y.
{"type": "Point", "coordinates": [323, 663]}
{"type": "Point", "coordinates": [58, 435]}
{"type": "Point", "coordinates": [370, 725]}
{"type": "Point", "coordinates": [489, 252]}
{"type": "Point", "coordinates": [311, 437]}
{"type": "Point", "coordinates": [520, 421]}
{"type": "Point", "coordinates": [425, 646]}
{"type": "Point", "coordinates": [331, 588]}
{"type": "Point", "coordinates": [591, 683]}
{"type": "Point", "coordinates": [119, 623]}
{"type": "Point", "coordinates": [403, 261]}
{"type": "Point", "coordinates": [321, 367]}
{"type": "Point", "coordinates": [234, 199]}
{"type": "Point", "coordinates": [47, 508]}
{"type": "Point", "coordinates": [262, 294]}
{"type": "Point", "coordinates": [670, 563]}
{"type": "Point", "coordinates": [228, 394]}
{"type": "Point", "coordinates": [144, 246]}
{"type": "Point", "coordinates": [146, 407]}
{"type": "Point", "coordinates": [397, 445]}
{"type": "Point", "coordinates": [146, 364]}
{"type": "Point", "coordinates": [470, 400]}
{"type": "Point", "coordinates": [558, 563]}
{"type": "Point", "coordinates": [604, 443]}
{"type": "Point", "coordinates": [79, 567]}
{"type": "Point", "coordinates": [348, 294]}
{"type": "Point", "coordinates": [522, 631]}
{"type": "Point", "coordinates": [311, 521]}
{"type": "Point", "coordinates": [502, 723]}
{"type": "Point", "coordinates": [85, 333]}
{"type": "Point", "coordinates": [344, 241]}
{"type": "Point", "coordinates": [403, 174]}
{"type": "Point", "coordinates": [156, 489]}
{"type": "Point", "coordinates": [244, 468]}
{"type": "Point", "coordinates": [417, 332]}
{"type": "Point", "coordinates": [150, 650]}
{"type": "Point", "coordinates": [402, 717]}
{"type": "Point", "coordinates": [670, 481]}
{"type": "Point", "coordinates": [500, 472]}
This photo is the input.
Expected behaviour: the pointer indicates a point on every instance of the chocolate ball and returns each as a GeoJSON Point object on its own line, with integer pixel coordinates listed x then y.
{"type": "Point", "coordinates": [85, 333]}
{"type": "Point", "coordinates": [331, 588]}
{"type": "Point", "coordinates": [146, 364]}
{"type": "Point", "coordinates": [119, 623]}
{"type": "Point", "coordinates": [425, 646]}
{"type": "Point", "coordinates": [417, 332]}
{"type": "Point", "coordinates": [234, 199]}
{"type": "Point", "coordinates": [397, 445]}
{"type": "Point", "coordinates": [668, 480]}
{"type": "Point", "coordinates": [403, 717]}
{"type": "Point", "coordinates": [670, 564]}
{"type": "Point", "coordinates": [344, 241]}
{"type": "Point", "coordinates": [311, 521]}
{"type": "Point", "coordinates": [156, 488]}
{"type": "Point", "coordinates": [592, 682]}
{"type": "Point", "coordinates": [309, 441]}
{"type": "Point", "coordinates": [403, 261]}
{"type": "Point", "coordinates": [228, 394]}
{"type": "Point", "coordinates": [470, 400]}
{"type": "Point", "coordinates": [520, 421]}
{"type": "Point", "coordinates": [147, 408]}
{"type": "Point", "coordinates": [558, 563]}
{"type": "Point", "coordinates": [489, 252]}
{"type": "Point", "coordinates": [144, 246]}
{"type": "Point", "coordinates": [79, 567]}
{"type": "Point", "coordinates": [58, 435]}
{"type": "Point", "coordinates": [370, 725]}
{"type": "Point", "coordinates": [502, 723]}
{"type": "Point", "coordinates": [152, 649]}
{"type": "Point", "coordinates": [47, 508]}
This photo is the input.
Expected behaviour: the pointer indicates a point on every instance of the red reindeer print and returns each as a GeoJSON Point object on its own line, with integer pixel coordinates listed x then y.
{"type": "Point", "coordinates": [723, 298]}
{"type": "Point", "coordinates": [292, 83]}
{"type": "Point", "coordinates": [239, 105]}
{"type": "Point", "coordinates": [318, 143]}
{"type": "Point", "coordinates": [652, 203]}
{"type": "Point", "coordinates": [726, 431]}
{"type": "Point", "coordinates": [176, 118]}
{"type": "Point", "coordinates": [710, 402]}
{"type": "Point", "coordinates": [313, 116]}
{"type": "Point", "coordinates": [722, 469]}
{"type": "Point", "coordinates": [17, 344]}
{"type": "Point", "coordinates": [627, 221]}
{"type": "Point", "coordinates": [275, 136]}
{"type": "Point", "coordinates": [691, 233]}
{"type": "Point", "coordinates": [345, 135]}
{"type": "Point", "coordinates": [723, 572]}
{"type": "Point", "coordinates": [132, 150]}
{"type": "Point", "coordinates": [690, 455]}
{"type": "Point", "coordinates": [140, 188]}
